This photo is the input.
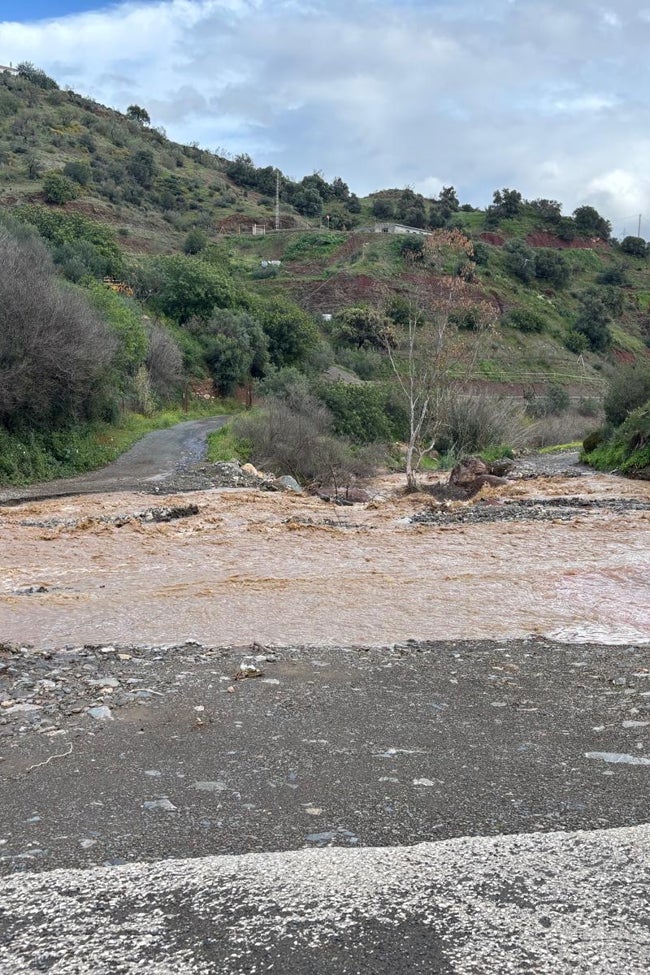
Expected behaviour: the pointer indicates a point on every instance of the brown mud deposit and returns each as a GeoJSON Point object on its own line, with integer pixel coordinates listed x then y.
{"type": "Point", "coordinates": [282, 569]}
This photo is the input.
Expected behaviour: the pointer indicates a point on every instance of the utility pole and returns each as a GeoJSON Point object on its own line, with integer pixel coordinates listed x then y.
{"type": "Point", "coordinates": [277, 199]}
{"type": "Point", "coordinates": [639, 231]}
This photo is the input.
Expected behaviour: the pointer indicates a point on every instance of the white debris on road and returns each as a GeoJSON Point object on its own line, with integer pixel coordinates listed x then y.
{"type": "Point", "coordinates": [543, 903]}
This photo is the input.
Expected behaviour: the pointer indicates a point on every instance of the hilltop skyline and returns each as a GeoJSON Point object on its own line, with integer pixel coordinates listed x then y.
{"type": "Point", "coordinates": [518, 93]}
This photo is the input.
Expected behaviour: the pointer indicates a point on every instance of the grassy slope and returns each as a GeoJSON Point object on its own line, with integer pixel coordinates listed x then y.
{"type": "Point", "coordinates": [324, 272]}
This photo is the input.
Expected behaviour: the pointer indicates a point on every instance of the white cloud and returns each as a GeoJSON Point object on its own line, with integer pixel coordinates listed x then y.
{"type": "Point", "coordinates": [542, 96]}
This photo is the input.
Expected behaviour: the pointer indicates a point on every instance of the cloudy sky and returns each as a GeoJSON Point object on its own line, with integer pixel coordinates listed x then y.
{"type": "Point", "coordinates": [545, 96]}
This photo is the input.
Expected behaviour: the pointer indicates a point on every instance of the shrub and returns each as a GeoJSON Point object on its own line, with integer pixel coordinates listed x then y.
{"type": "Point", "coordinates": [475, 421]}
{"type": "Point", "coordinates": [481, 254]}
{"type": "Point", "coordinates": [628, 449]}
{"type": "Point", "coordinates": [137, 114]}
{"type": "Point", "coordinates": [57, 189]}
{"type": "Point", "coordinates": [291, 332]}
{"type": "Point", "coordinates": [467, 319]}
{"type": "Point", "coordinates": [195, 242]}
{"type": "Point", "coordinates": [183, 287]}
{"type": "Point", "coordinates": [616, 275]}
{"type": "Point", "coordinates": [576, 341]}
{"type": "Point", "coordinates": [363, 327]}
{"type": "Point", "coordinates": [36, 76]}
{"type": "Point", "coordinates": [383, 209]}
{"type": "Point", "coordinates": [593, 321]}
{"type": "Point", "coordinates": [525, 320]}
{"type": "Point", "coordinates": [593, 440]}
{"type": "Point", "coordinates": [359, 411]}
{"type": "Point", "coordinates": [235, 348]}
{"type": "Point", "coordinates": [589, 222]}
{"type": "Point", "coordinates": [294, 436]}
{"type": "Point", "coordinates": [636, 246]}
{"type": "Point", "coordinates": [164, 362]}
{"type": "Point", "coordinates": [552, 267]}
{"type": "Point", "coordinates": [55, 351]}
{"type": "Point", "coordinates": [412, 247]}
{"type": "Point", "coordinates": [78, 172]}
{"type": "Point", "coordinates": [520, 260]}
{"type": "Point", "coordinates": [126, 324]}
{"type": "Point", "coordinates": [629, 388]}
{"type": "Point", "coordinates": [71, 228]}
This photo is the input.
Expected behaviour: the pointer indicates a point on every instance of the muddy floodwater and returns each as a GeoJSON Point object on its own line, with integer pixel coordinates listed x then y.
{"type": "Point", "coordinates": [278, 568]}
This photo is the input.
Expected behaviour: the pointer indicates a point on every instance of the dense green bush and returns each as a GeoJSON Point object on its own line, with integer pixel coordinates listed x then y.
{"type": "Point", "coordinates": [576, 342]}
{"type": "Point", "coordinates": [519, 260]}
{"type": "Point", "coordinates": [126, 324]}
{"type": "Point", "coordinates": [628, 448]}
{"type": "Point", "coordinates": [69, 230]}
{"type": "Point", "coordinates": [183, 287]}
{"type": "Point", "coordinates": [58, 189]}
{"type": "Point", "coordinates": [629, 388]}
{"type": "Point", "coordinates": [636, 246]}
{"type": "Point", "coordinates": [589, 223]}
{"type": "Point", "coordinates": [615, 275]}
{"type": "Point", "coordinates": [551, 266]}
{"type": "Point", "coordinates": [360, 411]}
{"type": "Point", "coordinates": [235, 348]}
{"type": "Point", "coordinates": [291, 332]}
{"type": "Point", "coordinates": [593, 322]}
{"type": "Point", "coordinates": [525, 320]}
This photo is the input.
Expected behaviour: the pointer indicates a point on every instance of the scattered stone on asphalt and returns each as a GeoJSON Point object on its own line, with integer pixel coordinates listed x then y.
{"type": "Point", "coordinates": [393, 745]}
{"type": "Point", "coordinates": [618, 759]}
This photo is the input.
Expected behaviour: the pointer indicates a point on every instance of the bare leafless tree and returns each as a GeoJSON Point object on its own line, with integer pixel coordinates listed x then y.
{"type": "Point", "coordinates": [428, 362]}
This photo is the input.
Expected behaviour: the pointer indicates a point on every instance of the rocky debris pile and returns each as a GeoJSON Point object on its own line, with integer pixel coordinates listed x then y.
{"type": "Point", "coordinates": [529, 509]}
{"type": "Point", "coordinates": [222, 474]}
{"type": "Point", "coordinates": [472, 473]}
{"type": "Point", "coordinates": [344, 495]}
{"type": "Point", "coordinates": [149, 516]}
{"type": "Point", "coordinates": [298, 521]}
{"type": "Point", "coordinates": [40, 689]}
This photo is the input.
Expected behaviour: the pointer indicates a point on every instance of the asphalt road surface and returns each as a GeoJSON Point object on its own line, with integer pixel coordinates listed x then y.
{"type": "Point", "coordinates": [352, 757]}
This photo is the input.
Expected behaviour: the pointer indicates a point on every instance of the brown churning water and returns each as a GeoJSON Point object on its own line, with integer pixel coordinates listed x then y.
{"type": "Point", "coordinates": [291, 570]}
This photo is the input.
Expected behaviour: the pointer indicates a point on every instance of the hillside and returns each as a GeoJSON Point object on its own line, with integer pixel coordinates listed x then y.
{"type": "Point", "coordinates": [540, 303]}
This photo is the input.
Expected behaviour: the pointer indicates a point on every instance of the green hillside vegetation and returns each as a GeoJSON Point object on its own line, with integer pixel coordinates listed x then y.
{"type": "Point", "coordinates": [136, 270]}
{"type": "Point", "coordinates": [624, 443]}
